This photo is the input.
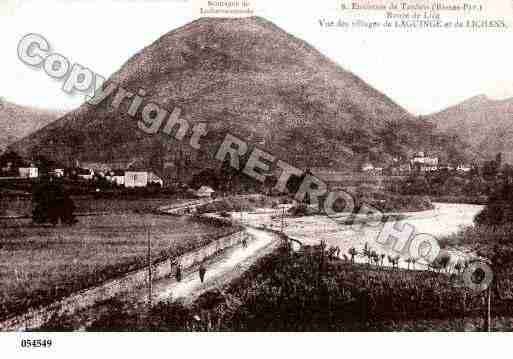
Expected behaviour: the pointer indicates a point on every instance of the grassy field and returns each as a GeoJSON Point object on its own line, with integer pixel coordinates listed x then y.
{"type": "Point", "coordinates": [19, 205]}
{"type": "Point", "coordinates": [40, 264]}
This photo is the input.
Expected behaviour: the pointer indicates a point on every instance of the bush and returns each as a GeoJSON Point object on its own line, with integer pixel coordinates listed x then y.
{"type": "Point", "coordinates": [499, 210]}
{"type": "Point", "coordinates": [299, 210]}
{"type": "Point", "coordinates": [52, 203]}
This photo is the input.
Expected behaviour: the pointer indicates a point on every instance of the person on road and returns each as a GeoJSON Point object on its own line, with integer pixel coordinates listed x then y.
{"type": "Point", "coordinates": [178, 274]}
{"type": "Point", "coordinates": [244, 242]}
{"type": "Point", "coordinates": [202, 271]}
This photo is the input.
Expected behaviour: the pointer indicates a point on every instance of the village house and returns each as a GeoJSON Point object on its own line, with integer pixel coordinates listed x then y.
{"type": "Point", "coordinates": [463, 168]}
{"type": "Point", "coordinates": [424, 163]}
{"type": "Point", "coordinates": [205, 192]}
{"type": "Point", "coordinates": [367, 167]}
{"type": "Point", "coordinates": [139, 179]}
{"type": "Point", "coordinates": [136, 179]}
{"type": "Point", "coordinates": [85, 174]}
{"type": "Point", "coordinates": [57, 172]}
{"type": "Point", "coordinates": [28, 172]}
{"type": "Point", "coordinates": [445, 166]}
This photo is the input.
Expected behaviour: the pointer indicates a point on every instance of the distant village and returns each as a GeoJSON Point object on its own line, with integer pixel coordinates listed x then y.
{"type": "Point", "coordinates": [420, 162]}
{"type": "Point", "coordinates": [132, 175]}
{"type": "Point", "coordinates": [13, 167]}
{"type": "Point", "coordinates": [128, 175]}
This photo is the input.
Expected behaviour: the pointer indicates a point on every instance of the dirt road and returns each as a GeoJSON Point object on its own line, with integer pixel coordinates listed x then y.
{"type": "Point", "coordinates": [220, 270]}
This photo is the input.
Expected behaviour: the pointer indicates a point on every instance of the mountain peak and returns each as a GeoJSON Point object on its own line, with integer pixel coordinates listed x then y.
{"type": "Point", "coordinates": [246, 76]}
{"type": "Point", "coordinates": [18, 121]}
{"type": "Point", "coordinates": [478, 100]}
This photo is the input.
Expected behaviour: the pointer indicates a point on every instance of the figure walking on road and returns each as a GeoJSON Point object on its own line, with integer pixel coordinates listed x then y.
{"type": "Point", "coordinates": [178, 274]}
{"type": "Point", "coordinates": [244, 242]}
{"type": "Point", "coordinates": [202, 271]}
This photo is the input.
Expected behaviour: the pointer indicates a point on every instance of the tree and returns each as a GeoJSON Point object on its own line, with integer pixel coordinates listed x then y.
{"type": "Point", "coordinates": [44, 164]}
{"type": "Point", "coordinates": [10, 161]}
{"type": "Point", "coordinates": [499, 209]}
{"type": "Point", "coordinates": [375, 258]}
{"type": "Point", "coordinates": [489, 170]}
{"type": "Point", "coordinates": [207, 177]}
{"type": "Point", "coordinates": [498, 161]}
{"type": "Point", "coordinates": [51, 203]}
{"type": "Point", "coordinates": [353, 253]}
{"type": "Point", "coordinates": [294, 183]}
{"type": "Point", "coordinates": [269, 183]}
{"type": "Point", "coordinates": [507, 173]}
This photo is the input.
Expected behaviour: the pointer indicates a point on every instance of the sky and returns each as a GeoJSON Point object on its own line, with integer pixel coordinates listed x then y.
{"type": "Point", "coordinates": [423, 71]}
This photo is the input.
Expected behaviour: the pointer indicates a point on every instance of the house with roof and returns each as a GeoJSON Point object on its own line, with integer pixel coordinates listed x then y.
{"type": "Point", "coordinates": [463, 167]}
{"type": "Point", "coordinates": [136, 179]}
{"type": "Point", "coordinates": [424, 163]}
{"type": "Point", "coordinates": [57, 172]}
{"type": "Point", "coordinates": [28, 172]}
{"type": "Point", "coordinates": [140, 179]}
{"type": "Point", "coordinates": [85, 174]}
{"type": "Point", "coordinates": [205, 192]}
{"type": "Point", "coordinates": [367, 167]}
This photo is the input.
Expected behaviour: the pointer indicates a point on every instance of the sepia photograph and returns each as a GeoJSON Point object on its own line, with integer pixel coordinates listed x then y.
{"type": "Point", "coordinates": [192, 166]}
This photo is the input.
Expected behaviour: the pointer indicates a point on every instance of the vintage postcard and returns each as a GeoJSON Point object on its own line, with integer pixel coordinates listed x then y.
{"type": "Point", "coordinates": [255, 166]}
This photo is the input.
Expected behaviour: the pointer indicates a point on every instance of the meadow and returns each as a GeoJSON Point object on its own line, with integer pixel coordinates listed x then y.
{"type": "Point", "coordinates": [40, 264]}
{"type": "Point", "coordinates": [22, 205]}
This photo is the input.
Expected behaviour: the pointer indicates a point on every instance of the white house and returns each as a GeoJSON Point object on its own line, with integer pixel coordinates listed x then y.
{"type": "Point", "coordinates": [28, 172]}
{"type": "Point", "coordinates": [424, 161]}
{"type": "Point", "coordinates": [139, 179]}
{"type": "Point", "coordinates": [135, 179]}
{"type": "Point", "coordinates": [463, 168]}
{"type": "Point", "coordinates": [154, 179]}
{"type": "Point", "coordinates": [205, 192]}
{"type": "Point", "coordinates": [367, 167]}
{"type": "Point", "coordinates": [85, 174]}
{"type": "Point", "coordinates": [58, 172]}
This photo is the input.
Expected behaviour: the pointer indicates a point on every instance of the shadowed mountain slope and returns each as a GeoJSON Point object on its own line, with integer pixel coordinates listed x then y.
{"type": "Point", "coordinates": [252, 79]}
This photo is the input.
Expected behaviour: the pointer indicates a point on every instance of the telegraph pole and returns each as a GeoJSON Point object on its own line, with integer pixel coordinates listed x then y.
{"type": "Point", "coordinates": [283, 220]}
{"type": "Point", "coordinates": [149, 270]}
{"type": "Point", "coordinates": [242, 225]}
{"type": "Point", "coordinates": [488, 314]}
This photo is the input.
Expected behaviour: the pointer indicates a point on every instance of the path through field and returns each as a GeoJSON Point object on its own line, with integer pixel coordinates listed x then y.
{"type": "Point", "coordinates": [219, 271]}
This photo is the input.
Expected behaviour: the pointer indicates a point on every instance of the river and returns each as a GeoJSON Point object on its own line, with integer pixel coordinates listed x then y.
{"type": "Point", "coordinates": [445, 219]}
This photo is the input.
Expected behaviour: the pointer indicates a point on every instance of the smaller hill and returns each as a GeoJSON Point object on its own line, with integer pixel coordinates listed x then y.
{"type": "Point", "coordinates": [18, 121]}
{"type": "Point", "coordinates": [485, 124]}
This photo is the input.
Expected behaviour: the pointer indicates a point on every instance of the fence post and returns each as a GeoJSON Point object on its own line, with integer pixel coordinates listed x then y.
{"type": "Point", "coordinates": [488, 319]}
{"type": "Point", "coordinates": [149, 270]}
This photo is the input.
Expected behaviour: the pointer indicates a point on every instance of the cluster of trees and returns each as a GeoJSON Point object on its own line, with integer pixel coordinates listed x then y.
{"type": "Point", "coordinates": [52, 203]}
{"type": "Point", "coordinates": [499, 210]}
{"type": "Point", "coordinates": [229, 180]}
{"type": "Point", "coordinates": [10, 161]}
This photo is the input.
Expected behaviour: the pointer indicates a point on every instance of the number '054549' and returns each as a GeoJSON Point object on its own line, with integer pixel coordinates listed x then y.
{"type": "Point", "coordinates": [36, 343]}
